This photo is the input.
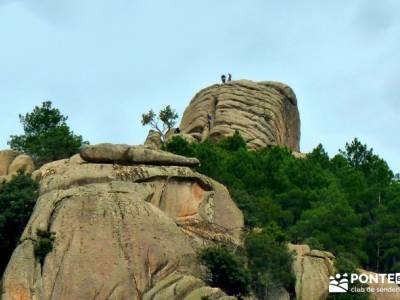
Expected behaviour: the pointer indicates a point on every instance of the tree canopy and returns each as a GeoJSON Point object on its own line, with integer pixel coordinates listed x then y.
{"type": "Point", "coordinates": [347, 204]}
{"type": "Point", "coordinates": [47, 136]}
{"type": "Point", "coordinates": [226, 270]}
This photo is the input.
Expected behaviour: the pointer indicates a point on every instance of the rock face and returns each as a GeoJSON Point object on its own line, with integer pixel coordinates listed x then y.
{"type": "Point", "coordinates": [6, 158]}
{"type": "Point", "coordinates": [11, 162]}
{"type": "Point", "coordinates": [312, 269]}
{"type": "Point", "coordinates": [121, 231]}
{"type": "Point", "coordinates": [153, 140]}
{"type": "Point", "coordinates": [265, 113]}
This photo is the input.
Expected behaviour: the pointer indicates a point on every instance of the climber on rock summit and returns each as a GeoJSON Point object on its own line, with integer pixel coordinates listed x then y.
{"type": "Point", "coordinates": [223, 78]}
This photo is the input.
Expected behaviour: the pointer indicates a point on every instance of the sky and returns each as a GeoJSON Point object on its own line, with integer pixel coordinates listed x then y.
{"type": "Point", "coordinates": [104, 63]}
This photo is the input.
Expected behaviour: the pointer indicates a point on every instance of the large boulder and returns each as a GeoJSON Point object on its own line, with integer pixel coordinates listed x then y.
{"type": "Point", "coordinates": [12, 162]}
{"type": "Point", "coordinates": [22, 163]}
{"type": "Point", "coordinates": [265, 113]}
{"type": "Point", "coordinates": [312, 269]}
{"type": "Point", "coordinates": [6, 158]}
{"type": "Point", "coordinates": [121, 232]}
{"type": "Point", "coordinates": [153, 140]}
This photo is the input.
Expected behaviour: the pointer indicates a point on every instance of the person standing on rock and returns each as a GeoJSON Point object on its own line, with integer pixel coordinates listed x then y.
{"type": "Point", "coordinates": [223, 78]}
{"type": "Point", "coordinates": [229, 77]}
{"type": "Point", "coordinates": [209, 118]}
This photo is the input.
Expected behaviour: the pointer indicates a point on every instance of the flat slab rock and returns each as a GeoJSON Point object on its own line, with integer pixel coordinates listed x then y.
{"type": "Point", "coordinates": [126, 154]}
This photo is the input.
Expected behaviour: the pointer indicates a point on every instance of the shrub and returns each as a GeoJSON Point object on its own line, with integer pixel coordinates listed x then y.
{"type": "Point", "coordinates": [226, 271]}
{"type": "Point", "coordinates": [43, 245]}
{"type": "Point", "coordinates": [270, 261]}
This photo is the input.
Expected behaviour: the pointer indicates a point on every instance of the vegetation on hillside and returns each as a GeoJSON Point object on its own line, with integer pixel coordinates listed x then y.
{"type": "Point", "coordinates": [226, 270]}
{"type": "Point", "coordinates": [347, 204]}
{"type": "Point", "coordinates": [47, 136]}
{"type": "Point", "coordinates": [269, 260]}
{"type": "Point", "coordinates": [17, 199]}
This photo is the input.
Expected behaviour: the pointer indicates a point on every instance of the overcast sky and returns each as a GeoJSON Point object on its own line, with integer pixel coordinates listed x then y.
{"type": "Point", "coordinates": [103, 63]}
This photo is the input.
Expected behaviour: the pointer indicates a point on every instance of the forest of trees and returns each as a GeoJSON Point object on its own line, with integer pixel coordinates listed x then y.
{"type": "Point", "coordinates": [348, 204]}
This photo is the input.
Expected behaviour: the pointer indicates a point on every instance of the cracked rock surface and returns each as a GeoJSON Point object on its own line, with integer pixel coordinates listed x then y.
{"type": "Point", "coordinates": [265, 113]}
{"type": "Point", "coordinates": [121, 232]}
{"type": "Point", "coordinates": [312, 269]}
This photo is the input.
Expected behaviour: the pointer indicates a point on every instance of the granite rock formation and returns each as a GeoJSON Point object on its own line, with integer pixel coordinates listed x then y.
{"type": "Point", "coordinates": [122, 231]}
{"type": "Point", "coordinates": [12, 162]}
{"type": "Point", "coordinates": [153, 140]}
{"type": "Point", "coordinates": [312, 269]}
{"type": "Point", "coordinates": [265, 113]}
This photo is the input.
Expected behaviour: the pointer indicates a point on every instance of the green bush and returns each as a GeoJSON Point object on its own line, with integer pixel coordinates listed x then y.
{"type": "Point", "coordinates": [17, 199]}
{"type": "Point", "coordinates": [234, 143]}
{"type": "Point", "coordinates": [226, 271]}
{"type": "Point", "coordinates": [270, 261]}
{"type": "Point", "coordinates": [43, 245]}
